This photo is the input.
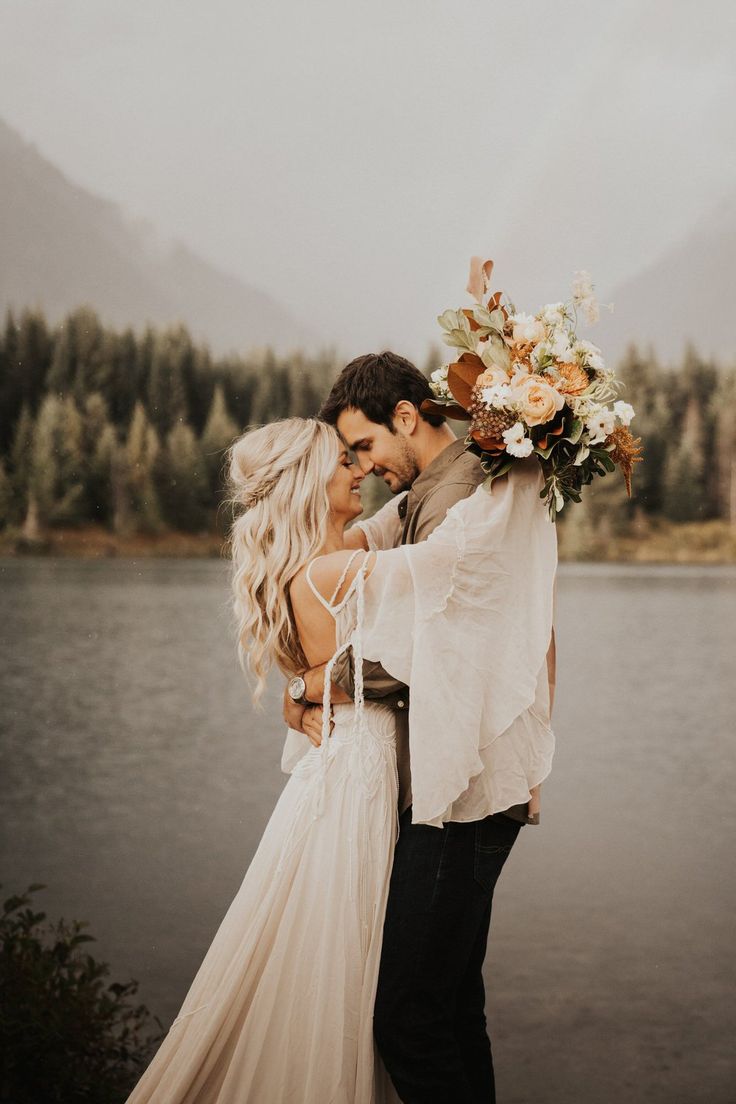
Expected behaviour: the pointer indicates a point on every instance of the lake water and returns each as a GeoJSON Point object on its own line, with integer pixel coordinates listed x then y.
{"type": "Point", "coordinates": [137, 779]}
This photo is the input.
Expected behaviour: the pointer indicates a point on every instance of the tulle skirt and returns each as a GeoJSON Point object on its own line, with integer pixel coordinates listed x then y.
{"type": "Point", "coordinates": [281, 1009]}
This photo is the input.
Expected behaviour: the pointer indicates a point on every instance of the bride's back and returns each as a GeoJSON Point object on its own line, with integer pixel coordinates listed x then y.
{"type": "Point", "coordinates": [325, 582]}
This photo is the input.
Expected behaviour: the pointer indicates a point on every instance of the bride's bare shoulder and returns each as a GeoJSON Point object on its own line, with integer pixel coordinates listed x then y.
{"type": "Point", "coordinates": [331, 575]}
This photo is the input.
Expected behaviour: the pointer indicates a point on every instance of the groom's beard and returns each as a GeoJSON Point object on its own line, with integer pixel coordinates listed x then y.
{"type": "Point", "coordinates": [403, 471]}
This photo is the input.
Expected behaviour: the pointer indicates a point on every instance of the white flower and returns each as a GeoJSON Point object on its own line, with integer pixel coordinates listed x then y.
{"type": "Point", "coordinates": [582, 285]}
{"type": "Point", "coordinates": [517, 444]}
{"type": "Point", "coordinates": [600, 424]}
{"type": "Point", "coordinates": [527, 329]}
{"type": "Point", "coordinates": [581, 405]}
{"type": "Point", "coordinates": [584, 297]}
{"type": "Point", "coordinates": [623, 411]}
{"type": "Point", "coordinates": [560, 344]}
{"type": "Point", "coordinates": [439, 382]}
{"type": "Point", "coordinates": [553, 314]}
{"type": "Point", "coordinates": [541, 352]}
{"type": "Point", "coordinates": [497, 396]}
{"type": "Point", "coordinates": [590, 355]}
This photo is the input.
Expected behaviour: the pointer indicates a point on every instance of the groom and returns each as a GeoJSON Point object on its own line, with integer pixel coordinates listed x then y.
{"type": "Point", "coordinates": [429, 1020]}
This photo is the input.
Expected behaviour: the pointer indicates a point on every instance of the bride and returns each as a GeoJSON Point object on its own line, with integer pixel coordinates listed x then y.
{"type": "Point", "coordinates": [281, 1008]}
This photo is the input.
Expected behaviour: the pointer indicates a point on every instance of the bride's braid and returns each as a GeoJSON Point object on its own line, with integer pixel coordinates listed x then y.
{"type": "Point", "coordinates": [278, 476]}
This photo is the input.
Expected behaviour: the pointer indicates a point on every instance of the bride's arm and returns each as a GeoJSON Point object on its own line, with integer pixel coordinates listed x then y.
{"type": "Point", "coordinates": [326, 573]}
{"type": "Point", "coordinates": [382, 530]}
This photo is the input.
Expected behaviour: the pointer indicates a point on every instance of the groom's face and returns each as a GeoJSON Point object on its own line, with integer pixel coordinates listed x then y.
{"type": "Point", "coordinates": [390, 456]}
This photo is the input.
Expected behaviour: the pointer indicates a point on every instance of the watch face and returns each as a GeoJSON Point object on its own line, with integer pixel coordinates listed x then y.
{"type": "Point", "coordinates": [297, 688]}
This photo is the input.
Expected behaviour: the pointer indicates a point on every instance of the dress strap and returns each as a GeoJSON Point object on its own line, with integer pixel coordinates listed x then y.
{"type": "Point", "coordinates": [320, 597]}
{"type": "Point", "coordinates": [329, 603]}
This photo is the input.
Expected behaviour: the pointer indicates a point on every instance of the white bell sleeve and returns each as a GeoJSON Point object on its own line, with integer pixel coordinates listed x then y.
{"type": "Point", "coordinates": [465, 619]}
{"type": "Point", "coordinates": [383, 530]}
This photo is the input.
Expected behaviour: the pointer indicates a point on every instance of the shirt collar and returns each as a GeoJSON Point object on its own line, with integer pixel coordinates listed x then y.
{"type": "Point", "coordinates": [433, 474]}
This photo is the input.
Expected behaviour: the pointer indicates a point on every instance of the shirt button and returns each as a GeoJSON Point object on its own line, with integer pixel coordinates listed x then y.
{"type": "Point", "coordinates": [401, 704]}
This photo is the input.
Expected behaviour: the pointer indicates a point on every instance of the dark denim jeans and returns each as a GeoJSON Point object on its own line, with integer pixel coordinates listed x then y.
{"type": "Point", "coordinates": [430, 1023]}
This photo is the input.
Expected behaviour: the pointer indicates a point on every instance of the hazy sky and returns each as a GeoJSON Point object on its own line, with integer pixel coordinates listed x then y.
{"type": "Point", "coordinates": [349, 157]}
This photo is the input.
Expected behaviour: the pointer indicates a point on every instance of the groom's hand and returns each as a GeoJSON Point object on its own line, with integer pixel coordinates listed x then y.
{"type": "Point", "coordinates": [312, 724]}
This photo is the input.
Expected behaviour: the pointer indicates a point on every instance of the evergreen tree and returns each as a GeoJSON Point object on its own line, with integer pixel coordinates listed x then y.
{"type": "Point", "coordinates": [135, 471]}
{"type": "Point", "coordinates": [35, 347]}
{"type": "Point", "coordinates": [171, 368]}
{"type": "Point", "coordinates": [92, 368]}
{"type": "Point", "coordinates": [60, 378]}
{"type": "Point", "coordinates": [685, 469]}
{"type": "Point", "coordinates": [56, 487]}
{"type": "Point", "coordinates": [120, 392]}
{"type": "Point", "coordinates": [6, 497]}
{"type": "Point", "coordinates": [199, 388]}
{"type": "Point", "coordinates": [145, 347]}
{"type": "Point", "coordinates": [304, 402]}
{"type": "Point", "coordinates": [219, 433]}
{"type": "Point", "coordinates": [724, 417]}
{"type": "Point", "coordinates": [11, 381]}
{"type": "Point", "coordinates": [646, 388]}
{"type": "Point", "coordinates": [181, 481]}
{"type": "Point", "coordinates": [21, 452]}
{"type": "Point", "coordinates": [99, 441]}
{"type": "Point", "coordinates": [238, 381]}
{"type": "Point", "coordinates": [272, 396]}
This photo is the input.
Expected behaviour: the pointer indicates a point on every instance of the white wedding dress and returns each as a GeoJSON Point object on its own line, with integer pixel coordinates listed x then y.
{"type": "Point", "coordinates": [281, 1009]}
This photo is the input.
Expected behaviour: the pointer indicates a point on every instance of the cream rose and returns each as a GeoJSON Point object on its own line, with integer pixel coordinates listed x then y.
{"type": "Point", "coordinates": [527, 330]}
{"type": "Point", "coordinates": [492, 377]}
{"type": "Point", "coordinates": [538, 402]}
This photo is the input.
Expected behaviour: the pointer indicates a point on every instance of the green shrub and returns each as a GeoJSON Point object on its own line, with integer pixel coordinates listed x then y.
{"type": "Point", "coordinates": [66, 1034]}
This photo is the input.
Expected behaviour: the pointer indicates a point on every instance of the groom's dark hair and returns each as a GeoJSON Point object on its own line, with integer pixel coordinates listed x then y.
{"type": "Point", "coordinates": [374, 384]}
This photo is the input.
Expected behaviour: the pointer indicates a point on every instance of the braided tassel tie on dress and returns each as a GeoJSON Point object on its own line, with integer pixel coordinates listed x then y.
{"type": "Point", "coordinates": [364, 758]}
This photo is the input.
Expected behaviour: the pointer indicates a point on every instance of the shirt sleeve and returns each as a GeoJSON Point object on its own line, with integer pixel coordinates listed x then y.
{"type": "Point", "coordinates": [383, 530]}
{"type": "Point", "coordinates": [433, 509]}
{"type": "Point", "coordinates": [377, 683]}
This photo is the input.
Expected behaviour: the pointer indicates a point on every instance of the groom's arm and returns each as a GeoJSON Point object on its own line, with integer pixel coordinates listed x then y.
{"type": "Point", "coordinates": [377, 683]}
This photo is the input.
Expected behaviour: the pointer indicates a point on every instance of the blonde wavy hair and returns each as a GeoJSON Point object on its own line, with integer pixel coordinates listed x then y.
{"type": "Point", "coordinates": [278, 477]}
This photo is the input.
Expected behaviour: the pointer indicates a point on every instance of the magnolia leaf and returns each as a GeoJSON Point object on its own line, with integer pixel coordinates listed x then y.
{"type": "Point", "coordinates": [448, 320]}
{"type": "Point", "coordinates": [474, 325]}
{"type": "Point", "coordinates": [576, 430]}
{"type": "Point", "coordinates": [461, 378]}
{"type": "Point", "coordinates": [545, 452]}
{"type": "Point", "coordinates": [448, 410]}
{"type": "Point", "coordinates": [493, 445]}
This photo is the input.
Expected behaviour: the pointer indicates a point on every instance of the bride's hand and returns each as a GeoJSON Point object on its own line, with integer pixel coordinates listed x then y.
{"type": "Point", "coordinates": [312, 724]}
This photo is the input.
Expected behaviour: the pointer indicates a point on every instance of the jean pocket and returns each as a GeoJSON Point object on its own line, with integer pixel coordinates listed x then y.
{"type": "Point", "coordinates": [493, 842]}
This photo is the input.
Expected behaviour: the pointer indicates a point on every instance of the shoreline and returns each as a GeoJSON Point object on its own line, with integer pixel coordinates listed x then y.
{"type": "Point", "coordinates": [705, 542]}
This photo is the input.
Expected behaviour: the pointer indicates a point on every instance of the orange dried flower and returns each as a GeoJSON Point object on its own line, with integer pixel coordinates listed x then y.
{"type": "Point", "coordinates": [626, 452]}
{"type": "Point", "coordinates": [574, 379]}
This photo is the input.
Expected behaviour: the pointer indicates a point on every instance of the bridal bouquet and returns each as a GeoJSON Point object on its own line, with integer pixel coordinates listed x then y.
{"type": "Point", "coordinates": [529, 385]}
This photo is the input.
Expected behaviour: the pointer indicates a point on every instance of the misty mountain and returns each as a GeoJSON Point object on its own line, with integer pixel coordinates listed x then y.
{"type": "Point", "coordinates": [685, 296]}
{"type": "Point", "coordinates": [61, 246]}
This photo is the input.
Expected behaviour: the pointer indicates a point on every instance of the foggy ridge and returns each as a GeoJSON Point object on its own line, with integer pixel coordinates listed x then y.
{"type": "Point", "coordinates": [683, 297]}
{"type": "Point", "coordinates": [61, 246]}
